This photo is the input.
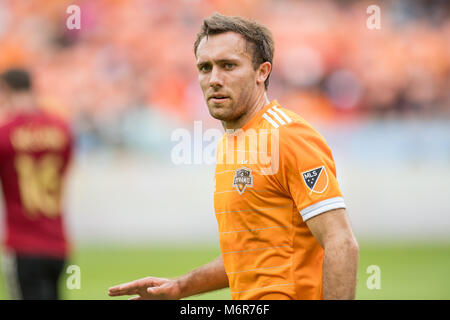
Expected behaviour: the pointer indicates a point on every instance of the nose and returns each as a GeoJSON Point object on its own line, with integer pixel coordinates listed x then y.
{"type": "Point", "coordinates": [215, 79]}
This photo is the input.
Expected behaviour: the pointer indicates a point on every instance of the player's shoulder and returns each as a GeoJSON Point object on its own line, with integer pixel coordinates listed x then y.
{"type": "Point", "coordinates": [287, 122]}
{"type": "Point", "coordinates": [54, 120]}
{"type": "Point", "coordinates": [6, 121]}
{"type": "Point", "coordinates": [3, 120]}
{"type": "Point", "coordinates": [52, 117]}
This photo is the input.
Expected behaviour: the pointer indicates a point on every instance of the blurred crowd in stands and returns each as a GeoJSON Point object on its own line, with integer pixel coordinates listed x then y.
{"type": "Point", "coordinates": [128, 75]}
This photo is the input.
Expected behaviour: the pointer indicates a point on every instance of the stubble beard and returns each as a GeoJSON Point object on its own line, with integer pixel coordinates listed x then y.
{"type": "Point", "coordinates": [222, 112]}
{"type": "Point", "coordinates": [232, 110]}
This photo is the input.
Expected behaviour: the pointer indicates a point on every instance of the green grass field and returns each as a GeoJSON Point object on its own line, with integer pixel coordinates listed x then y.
{"type": "Point", "coordinates": [407, 271]}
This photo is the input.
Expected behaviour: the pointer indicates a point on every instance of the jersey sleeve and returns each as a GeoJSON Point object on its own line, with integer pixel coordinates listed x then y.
{"type": "Point", "coordinates": [307, 171]}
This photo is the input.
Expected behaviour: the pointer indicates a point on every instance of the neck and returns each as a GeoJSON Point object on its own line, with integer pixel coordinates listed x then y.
{"type": "Point", "coordinates": [252, 110]}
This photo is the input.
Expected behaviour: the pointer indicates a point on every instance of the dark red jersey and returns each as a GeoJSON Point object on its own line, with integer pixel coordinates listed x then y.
{"type": "Point", "coordinates": [35, 149]}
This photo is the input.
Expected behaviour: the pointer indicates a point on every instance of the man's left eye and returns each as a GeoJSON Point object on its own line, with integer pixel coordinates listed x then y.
{"type": "Point", "coordinates": [229, 65]}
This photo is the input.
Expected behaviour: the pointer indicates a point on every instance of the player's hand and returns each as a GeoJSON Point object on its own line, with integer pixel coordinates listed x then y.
{"type": "Point", "coordinates": [149, 288]}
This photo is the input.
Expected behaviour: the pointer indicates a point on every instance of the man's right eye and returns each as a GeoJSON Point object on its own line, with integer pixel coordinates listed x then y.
{"type": "Point", "coordinates": [205, 68]}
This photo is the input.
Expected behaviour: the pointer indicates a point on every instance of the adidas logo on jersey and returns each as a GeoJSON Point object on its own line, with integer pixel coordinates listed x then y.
{"type": "Point", "coordinates": [276, 117]}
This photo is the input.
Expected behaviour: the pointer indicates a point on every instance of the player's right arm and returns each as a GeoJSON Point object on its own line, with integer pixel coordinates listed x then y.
{"type": "Point", "coordinates": [210, 277]}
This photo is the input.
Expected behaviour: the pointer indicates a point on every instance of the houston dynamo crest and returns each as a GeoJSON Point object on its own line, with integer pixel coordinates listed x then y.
{"type": "Point", "coordinates": [316, 179]}
{"type": "Point", "coordinates": [242, 179]}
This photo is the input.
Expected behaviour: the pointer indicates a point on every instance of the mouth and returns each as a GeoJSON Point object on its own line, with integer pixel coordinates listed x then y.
{"type": "Point", "coordinates": [218, 98]}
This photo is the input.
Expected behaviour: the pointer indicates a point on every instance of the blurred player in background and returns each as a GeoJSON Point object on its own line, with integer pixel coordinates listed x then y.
{"type": "Point", "coordinates": [284, 233]}
{"type": "Point", "coordinates": [35, 150]}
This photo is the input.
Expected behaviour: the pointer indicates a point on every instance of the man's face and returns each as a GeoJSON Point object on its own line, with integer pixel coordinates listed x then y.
{"type": "Point", "coordinates": [226, 75]}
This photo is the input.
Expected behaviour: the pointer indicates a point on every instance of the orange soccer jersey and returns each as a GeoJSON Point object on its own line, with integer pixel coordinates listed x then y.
{"type": "Point", "coordinates": [271, 176]}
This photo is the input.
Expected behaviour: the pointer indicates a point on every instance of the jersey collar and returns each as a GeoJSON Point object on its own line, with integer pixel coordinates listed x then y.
{"type": "Point", "coordinates": [259, 114]}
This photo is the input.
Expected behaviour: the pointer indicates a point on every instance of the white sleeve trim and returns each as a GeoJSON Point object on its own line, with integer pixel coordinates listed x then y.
{"type": "Point", "coordinates": [321, 207]}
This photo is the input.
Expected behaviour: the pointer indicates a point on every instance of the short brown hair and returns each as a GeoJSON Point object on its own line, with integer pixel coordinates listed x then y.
{"type": "Point", "coordinates": [258, 35]}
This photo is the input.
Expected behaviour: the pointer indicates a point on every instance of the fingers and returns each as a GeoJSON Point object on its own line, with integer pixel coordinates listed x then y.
{"type": "Point", "coordinates": [163, 292]}
{"type": "Point", "coordinates": [140, 287]}
{"type": "Point", "coordinates": [152, 291]}
{"type": "Point", "coordinates": [128, 288]}
{"type": "Point", "coordinates": [133, 287]}
{"type": "Point", "coordinates": [119, 291]}
{"type": "Point", "coordinates": [136, 298]}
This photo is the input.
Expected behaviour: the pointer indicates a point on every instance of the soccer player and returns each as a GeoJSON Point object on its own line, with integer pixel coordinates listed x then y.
{"type": "Point", "coordinates": [35, 149]}
{"type": "Point", "coordinates": [283, 227]}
